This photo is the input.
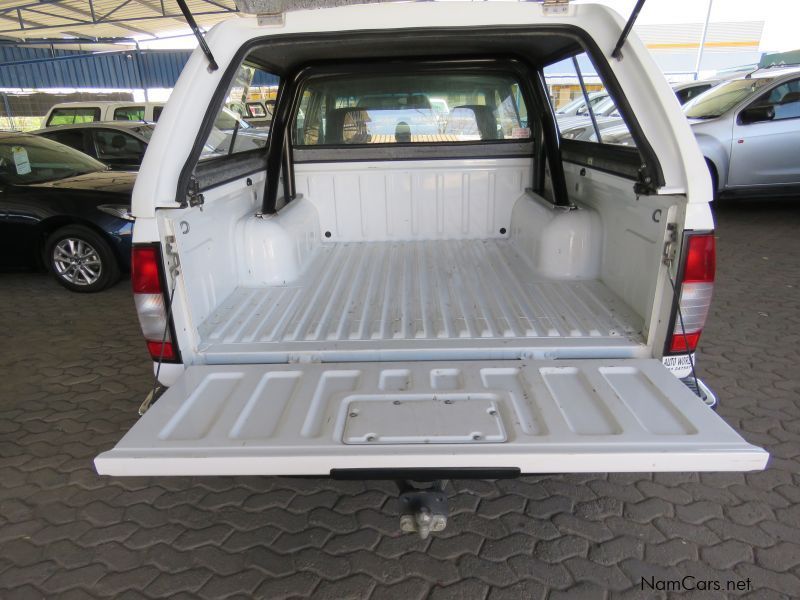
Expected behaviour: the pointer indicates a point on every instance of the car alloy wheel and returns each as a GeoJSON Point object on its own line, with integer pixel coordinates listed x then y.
{"type": "Point", "coordinates": [77, 261]}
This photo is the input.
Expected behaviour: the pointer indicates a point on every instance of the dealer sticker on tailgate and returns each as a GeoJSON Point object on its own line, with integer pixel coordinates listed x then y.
{"type": "Point", "coordinates": [680, 366]}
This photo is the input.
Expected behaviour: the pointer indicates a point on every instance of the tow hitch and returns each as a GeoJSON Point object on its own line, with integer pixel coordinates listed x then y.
{"type": "Point", "coordinates": [423, 502]}
{"type": "Point", "coordinates": [422, 510]}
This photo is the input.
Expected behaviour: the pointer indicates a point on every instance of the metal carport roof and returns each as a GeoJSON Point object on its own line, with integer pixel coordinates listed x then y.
{"type": "Point", "coordinates": [33, 19]}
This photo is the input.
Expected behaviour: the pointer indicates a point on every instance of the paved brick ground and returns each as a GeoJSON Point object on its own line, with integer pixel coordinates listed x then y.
{"type": "Point", "coordinates": [74, 370]}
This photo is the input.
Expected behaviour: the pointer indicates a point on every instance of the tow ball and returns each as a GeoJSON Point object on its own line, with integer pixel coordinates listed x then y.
{"type": "Point", "coordinates": [422, 510]}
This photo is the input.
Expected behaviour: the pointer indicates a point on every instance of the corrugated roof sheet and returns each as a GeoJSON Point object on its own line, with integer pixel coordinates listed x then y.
{"type": "Point", "coordinates": [125, 69]}
{"type": "Point", "coordinates": [72, 69]}
{"type": "Point", "coordinates": [26, 19]}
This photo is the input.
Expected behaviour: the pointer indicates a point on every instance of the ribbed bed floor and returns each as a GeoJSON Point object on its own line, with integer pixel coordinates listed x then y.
{"type": "Point", "coordinates": [420, 290]}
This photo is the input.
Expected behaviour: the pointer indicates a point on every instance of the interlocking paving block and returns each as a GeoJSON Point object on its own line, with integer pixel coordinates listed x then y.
{"type": "Point", "coordinates": [466, 589]}
{"type": "Point", "coordinates": [74, 371]}
{"type": "Point", "coordinates": [780, 557]}
{"type": "Point", "coordinates": [529, 590]}
{"type": "Point", "coordinates": [671, 552]}
{"type": "Point", "coordinates": [727, 554]}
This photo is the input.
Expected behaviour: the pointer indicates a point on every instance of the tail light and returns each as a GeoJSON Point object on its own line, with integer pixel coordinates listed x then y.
{"type": "Point", "coordinates": [148, 294]}
{"type": "Point", "coordinates": [696, 288]}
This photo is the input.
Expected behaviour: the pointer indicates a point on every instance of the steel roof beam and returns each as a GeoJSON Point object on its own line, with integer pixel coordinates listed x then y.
{"type": "Point", "coordinates": [30, 25]}
{"type": "Point", "coordinates": [221, 6]}
{"type": "Point", "coordinates": [74, 19]}
{"type": "Point", "coordinates": [160, 9]}
{"type": "Point", "coordinates": [20, 21]}
{"type": "Point", "coordinates": [91, 14]}
{"type": "Point", "coordinates": [118, 22]}
{"type": "Point", "coordinates": [104, 18]}
{"type": "Point", "coordinates": [72, 15]}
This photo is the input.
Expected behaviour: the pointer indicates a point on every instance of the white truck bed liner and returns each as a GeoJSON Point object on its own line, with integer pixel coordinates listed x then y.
{"type": "Point", "coordinates": [427, 294]}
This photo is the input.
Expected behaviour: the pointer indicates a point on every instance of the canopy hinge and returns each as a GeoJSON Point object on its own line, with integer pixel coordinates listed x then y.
{"type": "Point", "coordinates": [193, 195]}
{"type": "Point", "coordinates": [644, 186]}
{"type": "Point", "coordinates": [555, 7]}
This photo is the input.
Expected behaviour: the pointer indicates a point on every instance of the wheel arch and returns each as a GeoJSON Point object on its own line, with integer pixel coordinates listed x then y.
{"type": "Point", "coordinates": [716, 157]}
{"type": "Point", "coordinates": [714, 175]}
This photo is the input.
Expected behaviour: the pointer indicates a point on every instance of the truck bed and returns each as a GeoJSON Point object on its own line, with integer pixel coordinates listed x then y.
{"type": "Point", "coordinates": [435, 299]}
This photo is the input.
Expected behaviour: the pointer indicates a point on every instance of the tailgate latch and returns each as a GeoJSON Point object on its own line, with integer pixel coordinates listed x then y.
{"type": "Point", "coordinates": [171, 250]}
{"type": "Point", "coordinates": [670, 245]}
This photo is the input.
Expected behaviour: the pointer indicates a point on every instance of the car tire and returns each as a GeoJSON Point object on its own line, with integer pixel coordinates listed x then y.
{"type": "Point", "coordinates": [80, 259]}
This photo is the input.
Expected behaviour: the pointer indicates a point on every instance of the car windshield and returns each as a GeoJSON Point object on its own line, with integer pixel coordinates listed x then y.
{"type": "Point", "coordinates": [27, 159]}
{"type": "Point", "coordinates": [719, 100]}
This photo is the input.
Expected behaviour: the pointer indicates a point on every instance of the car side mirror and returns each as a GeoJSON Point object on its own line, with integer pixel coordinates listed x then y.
{"type": "Point", "coordinates": [756, 114]}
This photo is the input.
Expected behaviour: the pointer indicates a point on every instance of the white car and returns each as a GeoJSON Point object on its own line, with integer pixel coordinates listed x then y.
{"type": "Point", "coordinates": [577, 106]}
{"type": "Point", "coordinates": [611, 127]}
{"type": "Point", "coordinates": [357, 304]}
{"type": "Point", "coordinates": [71, 113]}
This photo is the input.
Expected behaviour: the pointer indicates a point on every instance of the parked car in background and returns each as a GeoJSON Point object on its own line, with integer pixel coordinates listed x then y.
{"type": "Point", "coordinates": [256, 112]}
{"type": "Point", "coordinates": [233, 133]}
{"type": "Point", "coordinates": [609, 123]}
{"type": "Point", "coordinates": [577, 106]}
{"type": "Point", "coordinates": [121, 144]}
{"type": "Point", "coordinates": [70, 113]}
{"type": "Point", "coordinates": [118, 144]}
{"type": "Point", "coordinates": [603, 105]}
{"type": "Point", "coordinates": [580, 127]}
{"type": "Point", "coordinates": [691, 89]}
{"type": "Point", "coordinates": [64, 210]}
{"type": "Point", "coordinates": [748, 130]}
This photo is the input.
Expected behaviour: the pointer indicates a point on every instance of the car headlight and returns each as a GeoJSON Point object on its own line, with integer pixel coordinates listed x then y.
{"type": "Point", "coordinates": [117, 210]}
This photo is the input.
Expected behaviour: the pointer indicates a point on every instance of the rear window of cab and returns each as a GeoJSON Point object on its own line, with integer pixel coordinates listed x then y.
{"type": "Point", "coordinates": [70, 116]}
{"type": "Point", "coordinates": [409, 108]}
{"type": "Point", "coordinates": [129, 113]}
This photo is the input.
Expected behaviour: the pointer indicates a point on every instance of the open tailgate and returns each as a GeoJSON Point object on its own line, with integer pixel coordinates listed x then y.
{"type": "Point", "coordinates": [536, 416]}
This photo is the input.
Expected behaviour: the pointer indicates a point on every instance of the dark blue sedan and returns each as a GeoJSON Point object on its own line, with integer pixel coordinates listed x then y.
{"type": "Point", "coordinates": [63, 210]}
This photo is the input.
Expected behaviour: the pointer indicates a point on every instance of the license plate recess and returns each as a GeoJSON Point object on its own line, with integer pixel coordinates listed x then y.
{"type": "Point", "coordinates": [424, 419]}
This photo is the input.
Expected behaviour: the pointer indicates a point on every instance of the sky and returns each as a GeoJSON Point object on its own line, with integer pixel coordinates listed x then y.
{"type": "Point", "coordinates": [781, 18]}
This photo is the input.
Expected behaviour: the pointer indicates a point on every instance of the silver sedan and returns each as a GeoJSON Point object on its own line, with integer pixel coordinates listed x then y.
{"type": "Point", "coordinates": [749, 132]}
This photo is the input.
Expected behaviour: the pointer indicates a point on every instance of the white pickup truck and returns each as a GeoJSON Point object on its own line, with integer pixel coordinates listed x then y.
{"type": "Point", "coordinates": [391, 291]}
